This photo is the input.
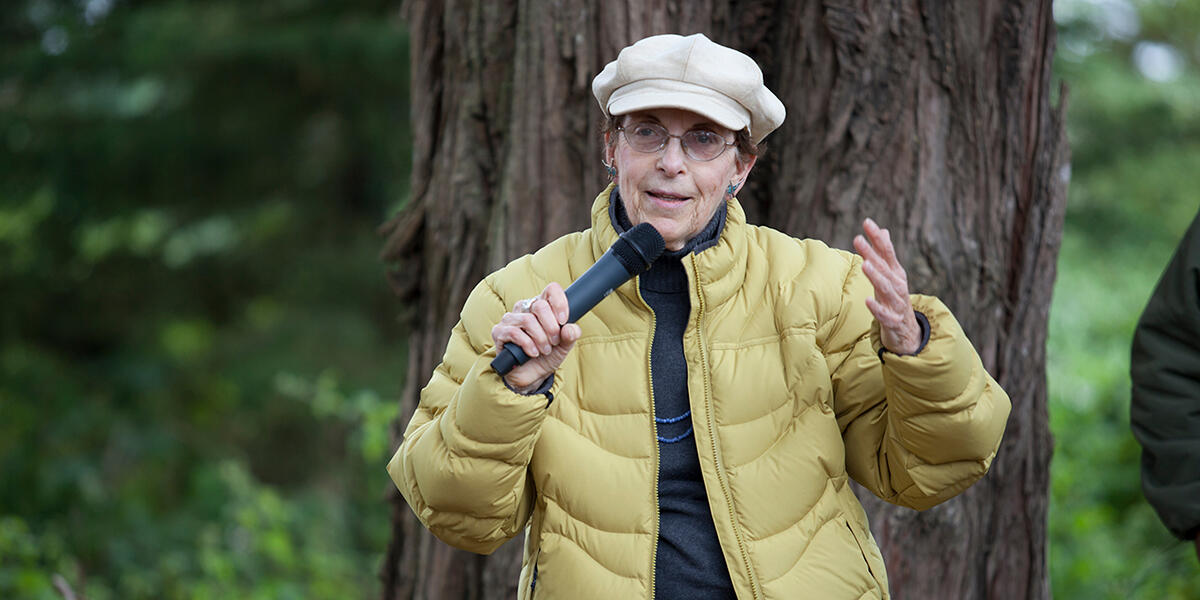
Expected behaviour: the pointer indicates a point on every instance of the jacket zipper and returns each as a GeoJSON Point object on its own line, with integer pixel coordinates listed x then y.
{"type": "Point", "coordinates": [653, 439]}
{"type": "Point", "coordinates": [533, 584]}
{"type": "Point", "coordinates": [712, 432]}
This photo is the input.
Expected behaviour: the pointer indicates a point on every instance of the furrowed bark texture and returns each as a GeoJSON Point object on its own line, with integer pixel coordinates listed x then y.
{"type": "Point", "coordinates": [932, 117]}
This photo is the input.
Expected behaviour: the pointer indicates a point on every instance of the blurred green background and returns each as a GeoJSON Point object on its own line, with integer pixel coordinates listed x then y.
{"type": "Point", "coordinates": [199, 355]}
{"type": "Point", "coordinates": [1133, 68]}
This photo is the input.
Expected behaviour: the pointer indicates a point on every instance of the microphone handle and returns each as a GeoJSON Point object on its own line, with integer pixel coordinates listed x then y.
{"type": "Point", "coordinates": [509, 356]}
{"type": "Point", "coordinates": [596, 284]}
{"type": "Point", "coordinates": [585, 293]}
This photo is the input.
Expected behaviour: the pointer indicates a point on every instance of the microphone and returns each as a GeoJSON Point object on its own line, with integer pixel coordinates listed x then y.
{"type": "Point", "coordinates": [631, 255]}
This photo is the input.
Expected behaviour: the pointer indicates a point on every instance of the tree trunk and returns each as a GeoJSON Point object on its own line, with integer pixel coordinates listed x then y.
{"type": "Point", "coordinates": [933, 117]}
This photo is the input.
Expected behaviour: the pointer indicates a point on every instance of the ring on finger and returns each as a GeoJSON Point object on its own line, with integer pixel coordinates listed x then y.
{"type": "Point", "coordinates": [525, 305]}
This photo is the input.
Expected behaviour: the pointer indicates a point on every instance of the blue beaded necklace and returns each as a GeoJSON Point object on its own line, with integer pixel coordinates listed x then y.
{"type": "Point", "coordinates": [669, 420]}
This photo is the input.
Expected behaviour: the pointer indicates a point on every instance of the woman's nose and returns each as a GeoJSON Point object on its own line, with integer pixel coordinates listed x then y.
{"type": "Point", "coordinates": [671, 159]}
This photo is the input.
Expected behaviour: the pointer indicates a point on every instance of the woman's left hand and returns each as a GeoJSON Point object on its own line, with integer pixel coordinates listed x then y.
{"type": "Point", "coordinates": [891, 306]}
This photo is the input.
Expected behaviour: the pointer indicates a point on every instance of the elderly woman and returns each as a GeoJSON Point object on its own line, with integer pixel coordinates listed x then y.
{"type": "Point", "coordinates": [694, 435]}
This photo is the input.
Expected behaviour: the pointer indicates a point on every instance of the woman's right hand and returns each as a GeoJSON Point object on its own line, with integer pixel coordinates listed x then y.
{"type": "Point", "coordinates": [539, 326]}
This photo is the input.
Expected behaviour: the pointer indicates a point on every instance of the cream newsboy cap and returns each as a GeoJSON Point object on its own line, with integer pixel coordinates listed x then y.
{"type": "Point", "coordinates": [691, 73]}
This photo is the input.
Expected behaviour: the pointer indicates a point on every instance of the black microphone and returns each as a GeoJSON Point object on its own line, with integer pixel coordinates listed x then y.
{"type": "Point", "coordinates": [630, 256]}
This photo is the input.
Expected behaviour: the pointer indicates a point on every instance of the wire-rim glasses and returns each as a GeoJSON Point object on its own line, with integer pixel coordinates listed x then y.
{"type": "Point", "coordinates": [700, 145]}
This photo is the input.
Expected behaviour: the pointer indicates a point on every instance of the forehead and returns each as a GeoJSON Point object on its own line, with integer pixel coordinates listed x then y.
{"type": "Point", "coordinates": [674, 118]}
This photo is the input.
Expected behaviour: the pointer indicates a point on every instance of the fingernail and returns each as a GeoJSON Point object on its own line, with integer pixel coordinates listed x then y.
{"type": "Point", "coordinates": [562, 317]}
{"type": "Point", "coordinates": [555, 340]}
{"type": "Point", "coordinates": [546, 349]}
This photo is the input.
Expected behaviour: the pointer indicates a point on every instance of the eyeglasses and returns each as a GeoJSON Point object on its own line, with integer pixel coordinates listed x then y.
{"type": "Point", "coordinates": [698, 144]}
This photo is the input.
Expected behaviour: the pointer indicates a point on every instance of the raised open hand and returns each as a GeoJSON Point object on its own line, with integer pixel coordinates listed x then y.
{"type": "Point", "coordinates": [891, 306]}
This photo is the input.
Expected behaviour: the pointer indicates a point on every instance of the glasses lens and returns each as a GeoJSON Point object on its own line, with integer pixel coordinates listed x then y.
{"type": "Point", "coordinates": [646, 137]}
{"type": "Point", "coordinates": [702, 144]}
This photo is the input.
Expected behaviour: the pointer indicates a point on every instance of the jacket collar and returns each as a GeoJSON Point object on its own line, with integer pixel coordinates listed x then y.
{"type": "Point", "coordinates": [720, 269]}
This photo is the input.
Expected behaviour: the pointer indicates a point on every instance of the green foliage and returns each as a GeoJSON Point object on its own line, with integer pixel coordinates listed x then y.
{"type": "Point", "coordinates": [198, 351]}
{"type": "Point", "coordinates": [1135, 145]}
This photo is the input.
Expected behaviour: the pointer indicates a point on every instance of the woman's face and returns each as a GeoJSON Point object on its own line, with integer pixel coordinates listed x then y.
{"type": "Point", "coordinates": [668, 189]}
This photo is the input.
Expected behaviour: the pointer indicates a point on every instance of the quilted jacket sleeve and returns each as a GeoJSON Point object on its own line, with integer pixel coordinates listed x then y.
{"type": "Point", "coordinates": [918, 429]}
{"type": "Point", "coordinates": [464, 460]}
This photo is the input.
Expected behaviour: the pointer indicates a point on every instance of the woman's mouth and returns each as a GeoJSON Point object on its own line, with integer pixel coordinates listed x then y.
{"type": "Point", "coordinates": [665, 196]}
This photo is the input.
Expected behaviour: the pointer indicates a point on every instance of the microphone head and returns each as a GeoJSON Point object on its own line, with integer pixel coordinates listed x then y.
{"type": "Point", "coordinates": [638, 248]}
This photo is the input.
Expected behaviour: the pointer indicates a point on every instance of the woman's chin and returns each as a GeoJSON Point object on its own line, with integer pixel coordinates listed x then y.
{"type": "Point", "coordinates": [673, 232]}
{"type": "Point", "coordinates": [671, 235]}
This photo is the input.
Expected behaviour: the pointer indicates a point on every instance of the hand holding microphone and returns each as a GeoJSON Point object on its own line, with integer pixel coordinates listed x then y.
{"type": "Point", "coordinates": [535, 337]}
{"type": "Point", "coordinates": [536, 327]}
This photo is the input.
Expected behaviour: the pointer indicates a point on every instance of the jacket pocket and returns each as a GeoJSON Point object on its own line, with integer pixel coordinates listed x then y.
{"type": "Point", "coordinates": [862, 551]}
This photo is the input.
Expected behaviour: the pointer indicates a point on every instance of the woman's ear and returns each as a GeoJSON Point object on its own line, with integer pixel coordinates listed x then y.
{"type": "Point", "coordinates": [742, 170]}
{"type": "Point", "coordinates": [610, 148]}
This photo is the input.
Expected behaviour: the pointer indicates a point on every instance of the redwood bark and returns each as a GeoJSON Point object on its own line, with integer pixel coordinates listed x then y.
{"type": "Point", "coordinates": [934, 118]}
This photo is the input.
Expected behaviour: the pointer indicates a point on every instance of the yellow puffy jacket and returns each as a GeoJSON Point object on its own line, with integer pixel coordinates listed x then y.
{"type": "Point", "coordinates": [788, 399]}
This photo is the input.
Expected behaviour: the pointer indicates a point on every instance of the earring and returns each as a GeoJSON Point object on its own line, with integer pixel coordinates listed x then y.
{"type": "Point", "coordinates": [730, 191]}
{"type": "Point", "coordinates": [612, 171]}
